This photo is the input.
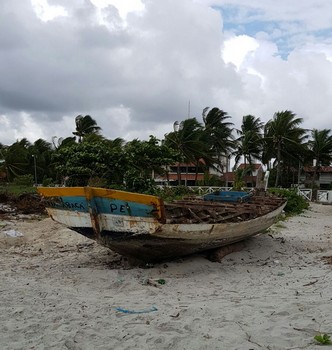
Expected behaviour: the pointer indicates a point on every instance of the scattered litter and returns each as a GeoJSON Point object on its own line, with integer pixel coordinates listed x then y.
{"type": "Point", "coordinates": [125, 311]}
{"type": "Point", "coordinates": [3, 224]}
{"type": "Point", "coordinates": [327, 259]}
{"type": "Point", "coordinates": [152, 282]}
{"type": "Point", "coordinates": [310, 283]}
{"type": "Point", "coordinates": [80, 246]}
{"type": "Point", "coordinates": [13, 233]}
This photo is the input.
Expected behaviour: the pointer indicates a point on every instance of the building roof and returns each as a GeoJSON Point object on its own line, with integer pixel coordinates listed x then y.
{"type": "Point", "coordinates": [201, 163]}
{"type": "Point", "coordinates": [174, 177]}
{"type": "Point", "coordinates": [230, 177]}
{"type": "Point", "coordinates": [255, 166]}
{"type": "Point", "coordinates": [320, 169]}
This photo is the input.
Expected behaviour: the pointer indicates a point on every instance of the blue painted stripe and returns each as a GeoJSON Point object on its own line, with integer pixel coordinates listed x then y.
{"type": "Point", "coordinates": [101, 205]}
{"type": "Point", "coordinates": [119, 207]}
{"type": "Point", "coordinates": [75, 203]}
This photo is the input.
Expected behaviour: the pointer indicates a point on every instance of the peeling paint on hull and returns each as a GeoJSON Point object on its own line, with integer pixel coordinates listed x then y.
{"type": "Point", "coordinates": [149, 237]}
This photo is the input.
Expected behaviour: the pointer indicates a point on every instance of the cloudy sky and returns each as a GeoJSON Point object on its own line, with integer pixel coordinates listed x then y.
{"type": "Point", "coordinates": [134, 65]}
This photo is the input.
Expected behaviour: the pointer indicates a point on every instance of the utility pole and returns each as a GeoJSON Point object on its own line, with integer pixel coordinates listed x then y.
{"type": "Point", "coordinates": [35, 168]}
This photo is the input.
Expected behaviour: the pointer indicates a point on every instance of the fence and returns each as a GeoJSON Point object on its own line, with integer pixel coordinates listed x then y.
{"type": "Point", "coordinates": [305, 193]}
{"type": "Point", "coordinates": [323, 196]}
{"type": "Point", "coordinates": [208, 189]}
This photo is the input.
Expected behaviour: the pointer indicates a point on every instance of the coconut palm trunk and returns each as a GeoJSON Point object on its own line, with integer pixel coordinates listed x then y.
{"type": "Point", "coordinates": [278, 165]}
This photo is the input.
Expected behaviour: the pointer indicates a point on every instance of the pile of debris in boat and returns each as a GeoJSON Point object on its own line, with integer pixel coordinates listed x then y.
{"type": "Point", "coordinates": [197, 210]}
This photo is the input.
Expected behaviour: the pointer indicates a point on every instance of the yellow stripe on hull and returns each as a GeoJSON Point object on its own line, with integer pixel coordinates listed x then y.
{"type": "Point", "coordinates": [90, 192]}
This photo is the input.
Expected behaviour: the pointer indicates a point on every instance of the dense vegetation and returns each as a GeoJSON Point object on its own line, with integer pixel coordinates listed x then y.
{"type": "Point", "coordinates": [87, 157]}
{"type": "Point", "coordinates": [295, 203]}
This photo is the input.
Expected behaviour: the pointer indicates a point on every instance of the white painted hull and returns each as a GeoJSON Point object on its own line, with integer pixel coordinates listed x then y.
{"type": "Point", "coordinates": [149, 240]}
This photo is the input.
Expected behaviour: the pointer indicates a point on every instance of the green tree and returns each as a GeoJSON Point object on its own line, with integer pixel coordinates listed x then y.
{"type": "Point", "coordinates": [40, 160]}
{"type": "Point", "coordinates": [320, 149]}
{"type": "Point", "coordinates": [283, 139]}
{"type": "Point", "coordinates": [117, 143]}
{"type": "Point", "coordinates": [84, 161]}
{"type": "Point", "coordinates": [62, 142]}
{"type": "Point", "coordinates": [85, 126]}
{"type": "Point", "coordinates": [250, 141]}
{"type": "Point", "coordinates": [218, 134]}
{"type": "Point", "coordinates": [16, 159]}
{"type": "Point", "coordinates": [113, 163]}
{"type": "Point", "coordinates": [188, 143]}
{"type": "Point", "coordinates": [145, 158]}
{"type": "Point", "coordinates": [3, 172]}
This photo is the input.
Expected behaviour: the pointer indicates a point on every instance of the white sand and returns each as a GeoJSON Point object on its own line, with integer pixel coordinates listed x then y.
{"type": "Point", "coordinates": [60, 291]}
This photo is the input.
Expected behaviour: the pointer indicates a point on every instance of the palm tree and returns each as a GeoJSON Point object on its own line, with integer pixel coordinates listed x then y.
{"type": "Point", "coordinates": [250, 123]}
{"type": "Point", "coordinates": [188, 143]}
{"type": "Point", "coordinates": [218, 132]}
{"type": "Point", "coordinates": [85, 126]}
{"type": "Point", "coordinates": [117, 143]}
{"type": "Point", "coordinates": [3, 172]}
{"type": "Point", "coordinates": [284, 139]}
{"type": "Point", "coordinates": [249, 142]}
{"type": "Point", "coordinates": [62, 142]}
{"type": "Point", "coordinates": [249, 147]}
{"type": "Point", "coordinates": [40, 159]}
{"type": "Point", "coordinates": [16, 159]}
{"type": "Point", "coordinates": [320, 149]}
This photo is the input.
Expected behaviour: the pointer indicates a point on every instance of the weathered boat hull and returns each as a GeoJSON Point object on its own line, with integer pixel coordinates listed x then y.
{"type": "Point", "coordinates": [148, 237]}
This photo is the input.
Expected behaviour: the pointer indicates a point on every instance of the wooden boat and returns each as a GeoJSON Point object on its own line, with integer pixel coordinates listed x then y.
{"type": "Point", "coordinates": [145, 228]}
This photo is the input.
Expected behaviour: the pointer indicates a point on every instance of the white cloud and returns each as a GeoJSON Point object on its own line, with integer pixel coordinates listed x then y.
{"type": "Point", "coordinates": [136, 71]}
{"type": "Point", "coordinates": [29, 128]}
{"type": "Point", "coordinates": [237, 48]}
{"type": "Point", "coordinates": [124, 7]}
{"type": "Point", "coordinates": [47, 12]}
{"type": "Point", "coordinates": [7, 131]}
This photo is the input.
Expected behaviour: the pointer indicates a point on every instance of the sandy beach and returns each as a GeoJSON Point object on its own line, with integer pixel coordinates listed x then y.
{"type": "Point", "coordinates": [62, 291]}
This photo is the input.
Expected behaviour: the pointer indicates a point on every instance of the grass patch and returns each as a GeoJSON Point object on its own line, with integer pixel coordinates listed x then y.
{"type": "Point", "coordinates": [279, 225]}
{"type": "Point", "coordinates": [323, 339]}
{"type": "Point", "coordinates": [17, 190]}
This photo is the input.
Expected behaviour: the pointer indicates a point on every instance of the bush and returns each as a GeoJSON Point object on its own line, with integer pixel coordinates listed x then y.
{"type": "Point", "coordinates": [176, 192]}
{"type": "Point", "coordinates": [12, 189]}
{"type": "Point", "coordinates": [296, 204]}
{"type": "Point", "coordinates": [23, 180]}
{"type": "Point", "coordinates": [135, 182]}
{"type": "Point", "coordinates": [97, 182]}
{"type": "Point", "coordinates": [210, 180]}
{"type": "Point", "coordinates": [48, 182]}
